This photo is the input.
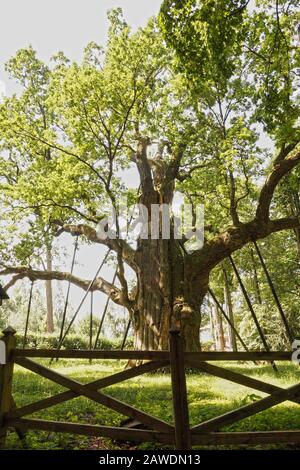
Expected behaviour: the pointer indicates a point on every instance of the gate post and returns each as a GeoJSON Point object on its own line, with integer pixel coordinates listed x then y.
{"type": "Point", "coordinates": [6, 377]}
{"type": "Point", "coordinates": [180, 404]}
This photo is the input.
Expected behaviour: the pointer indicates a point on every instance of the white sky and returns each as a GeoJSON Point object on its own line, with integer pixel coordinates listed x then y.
{"type": "Point", "coordinates": [65, 25]}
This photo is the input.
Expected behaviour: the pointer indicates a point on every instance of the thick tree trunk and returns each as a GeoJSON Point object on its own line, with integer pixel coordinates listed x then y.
{"type": "Point", "coordinates": [49, 293]}
{"type": "Point", "coordinates": [164, 299]}
{"type": "Point", "coordinates": [167, 295]}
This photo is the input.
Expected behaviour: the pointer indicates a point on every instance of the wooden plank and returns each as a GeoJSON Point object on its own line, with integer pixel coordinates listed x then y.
{"type": "Point", "coordinates": [238, 378]}
{"type": "Point", "coordinates": [240, 356]}
{"type": "Point", "coordinates": [246, 438]}
{"type": "Point", "coordinates": [180, 404]}
{"type": "Point", "coordinates": [96, 354]}
{"type": "Point", "coordinates": [98, 397]}
{"type": "Point", "coordinates": [248, 410]}
{"type": "Point", "coordinates": [6, 378]}
{"type": "Point", "coordinates": [139, 435]}
{"type": "Point", "coordinates": [95, 385]}
{"type": "Point", "coordinates": [155, 355]}
{"type": "Point", "coordinates": [215, 438]}
{"type": "Point", "coordinates": [13, 406]}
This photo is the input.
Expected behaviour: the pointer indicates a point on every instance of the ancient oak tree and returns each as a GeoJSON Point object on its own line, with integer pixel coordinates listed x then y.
{"type": "Point", "coordinates": [186, 104]}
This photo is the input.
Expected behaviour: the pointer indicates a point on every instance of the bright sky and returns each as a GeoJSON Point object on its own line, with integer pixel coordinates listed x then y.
{"type": "Point", "coordinates": [65, 25]}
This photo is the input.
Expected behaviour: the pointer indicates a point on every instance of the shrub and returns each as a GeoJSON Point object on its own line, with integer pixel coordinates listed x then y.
{"type": "Point", "coordinates": [72, 341]}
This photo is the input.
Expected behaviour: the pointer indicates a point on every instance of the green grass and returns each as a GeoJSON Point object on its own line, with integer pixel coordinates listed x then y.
{"type": "Point", "coordinates": [208, 397]}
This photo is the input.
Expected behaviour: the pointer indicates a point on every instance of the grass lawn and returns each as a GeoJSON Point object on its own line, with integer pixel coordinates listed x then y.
{"type": "Point", "coordinates": [208, 397]}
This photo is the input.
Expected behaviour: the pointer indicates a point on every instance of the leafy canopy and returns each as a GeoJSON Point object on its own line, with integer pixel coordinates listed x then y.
{"type": "Point", "coordinates": [208, 76]}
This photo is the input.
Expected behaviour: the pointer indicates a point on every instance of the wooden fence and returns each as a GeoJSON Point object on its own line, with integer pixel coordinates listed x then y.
{"type": "Point", "coordinates": [179, 434]}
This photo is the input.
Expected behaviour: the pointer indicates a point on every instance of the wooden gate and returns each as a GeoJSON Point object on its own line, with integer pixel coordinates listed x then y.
{"type": "Point", "coordinates": [178, 434]}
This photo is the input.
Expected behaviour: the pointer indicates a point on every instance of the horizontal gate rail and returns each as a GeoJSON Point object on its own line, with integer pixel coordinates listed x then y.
{"type": "Point", "coordinates": [153, 355]}
{"type": "Point", "coordinates": [94, 354]}
{"type": "Point", "coordinates": [139, 435]}
{"type": "Point", "coordinates": [239, 356]}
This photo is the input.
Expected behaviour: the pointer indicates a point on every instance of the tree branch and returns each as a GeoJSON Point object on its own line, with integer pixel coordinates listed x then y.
{"type": "Point", "coordinates": [234, 238]}
{"type": "Point", "coordinates": [36, 138]}
{"type": "Point", "coordinates": [282, 166]}
{"type": "Point", "coordinates": [99, 284]}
